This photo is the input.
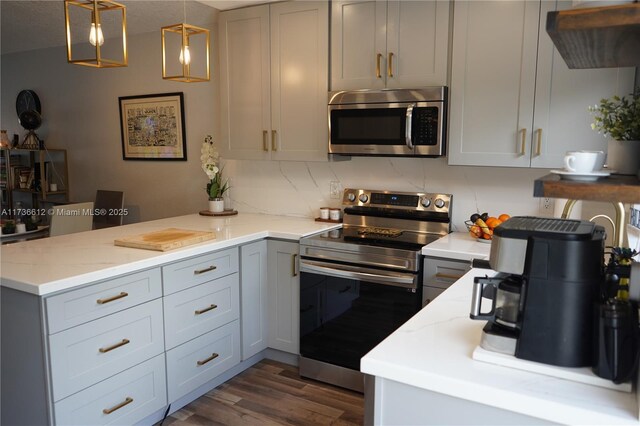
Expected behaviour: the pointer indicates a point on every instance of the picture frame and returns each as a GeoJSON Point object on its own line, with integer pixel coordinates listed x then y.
{"type": "Point", "coordinates": [152, 127]}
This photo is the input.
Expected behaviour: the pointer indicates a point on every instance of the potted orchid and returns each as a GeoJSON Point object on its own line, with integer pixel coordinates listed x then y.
{"type": "Point", "coordinates": [216, 187]}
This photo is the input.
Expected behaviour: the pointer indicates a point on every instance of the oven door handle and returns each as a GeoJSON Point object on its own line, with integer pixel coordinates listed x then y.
{"type": "Point", "coordinates": [342, 271]}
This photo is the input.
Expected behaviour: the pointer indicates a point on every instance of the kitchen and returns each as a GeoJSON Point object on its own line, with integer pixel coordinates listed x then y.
{"type": "Point", "coordinates": [81, 115]}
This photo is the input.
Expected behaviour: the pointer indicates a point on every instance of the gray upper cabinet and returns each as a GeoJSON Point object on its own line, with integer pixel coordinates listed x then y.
{"type": "Point", "coordinates": [274, 81]}
{"type": "Point", "coordinates": [394, 44]}
{"type": "Point", "coordinates": [513, 100]}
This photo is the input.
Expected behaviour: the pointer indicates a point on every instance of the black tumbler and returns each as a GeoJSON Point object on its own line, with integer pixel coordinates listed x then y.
{"type": "Point", "coordinates": [616, 340]}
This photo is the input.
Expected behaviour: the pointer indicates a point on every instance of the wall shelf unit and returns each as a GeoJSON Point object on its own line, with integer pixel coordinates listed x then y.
{"type": "Point", "coordinates": [615, 189]}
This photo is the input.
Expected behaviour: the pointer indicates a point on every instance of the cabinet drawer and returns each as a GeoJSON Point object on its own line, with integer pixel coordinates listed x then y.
{"type": "Point", "coordinates": [127, 397]}
{"type": "Point", "coordinates": [442, 273]}
{"type": "Point", "coordinates": [193, 364]}
{"type": "Point", "coordinates": [193, 312]}
{"type": "Point", "coordinates": [88, 353]}
{"type": "Point", "coordinates": [69, 309]}
{"type": "Point", "coordinates": [197, 270]}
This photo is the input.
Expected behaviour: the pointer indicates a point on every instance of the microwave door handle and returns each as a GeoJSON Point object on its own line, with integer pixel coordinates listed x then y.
{"type": "Point", "coordinates": [408, 126]}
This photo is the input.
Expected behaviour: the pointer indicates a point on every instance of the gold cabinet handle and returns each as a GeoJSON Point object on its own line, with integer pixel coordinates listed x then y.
{"type": "Point", "coordinates": [378, 57]}
{"type": "Point", "coordinates": [294, 273]}
{"type": "Point", "coordinates": [274, 140]}
{"type": "Point", "coordinates": [207, 309]}
{"type": "Point", "coordinates": [127, 401]}
{"type": "Point", "coordinates": [116, 346]}
{"type": "Point", "coordinates": [265, 142]}
{"type": "Point", "coordinates": [111, 299]}
{"type": "Point", "coordinates": [211, 358]}
{"type": "Point", "coordinates": [390, 65]}
{"type": "Point", "coordinates": [202, 271]}
{"type": "Point", "coordinates": [539, 143]}
{"type": "Point", "coordinates": [523, 141]}
{"type": "Point", "coordinates": [448, 276]}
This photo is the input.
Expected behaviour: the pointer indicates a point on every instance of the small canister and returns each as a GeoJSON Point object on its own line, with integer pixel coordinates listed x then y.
{"type": "Point", "coordinates": [324, 212]}
{"type": "Point", "coordinates": [334, 214]}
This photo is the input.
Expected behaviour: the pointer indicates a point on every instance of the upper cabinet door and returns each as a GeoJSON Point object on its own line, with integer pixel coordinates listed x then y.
{"type": "Point", "coordinates": [299, 80]}
{"type": "Point", "coordinates": [245, 83]}
{"type": "Point", "coordinates": [492, 82]}
{"type": "Point", "coordinates": [358, 44]}
{"type": "Point", "coordinates": [417, 43]}
{"type": "Point", "coordinates": [561, 119]}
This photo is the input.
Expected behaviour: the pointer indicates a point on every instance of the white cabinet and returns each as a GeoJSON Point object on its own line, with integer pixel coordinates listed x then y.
{"type": "Point", "coordinates": [253, 295]}
{"type": "Point", "coordinates": [394, 44]}
{"type": "Point", "coordinates": [274, 81]}
{"type": "Point", "coordinates": [284, 296]}
{"type": "Point", "coordinates": [513, 100]}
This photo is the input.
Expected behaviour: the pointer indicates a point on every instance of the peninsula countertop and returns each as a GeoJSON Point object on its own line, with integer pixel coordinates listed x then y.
{"type": "Point", "coordinates": [432, 351]}
{"type": "Point", "coordinates": [54, 264]}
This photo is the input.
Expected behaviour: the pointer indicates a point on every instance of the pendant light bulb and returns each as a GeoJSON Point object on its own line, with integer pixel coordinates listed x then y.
{"type": "Point", "coordinates": [185, 56]}
{"type": "Point", "coordinates": [95, 35]}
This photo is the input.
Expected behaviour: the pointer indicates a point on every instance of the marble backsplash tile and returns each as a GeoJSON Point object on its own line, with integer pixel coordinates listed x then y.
{"type": "Point", "coordinates": [301, 188]}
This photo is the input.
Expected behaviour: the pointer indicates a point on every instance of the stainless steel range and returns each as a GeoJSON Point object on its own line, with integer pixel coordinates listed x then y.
{"type": "Point", "coordinates": [360, 283]}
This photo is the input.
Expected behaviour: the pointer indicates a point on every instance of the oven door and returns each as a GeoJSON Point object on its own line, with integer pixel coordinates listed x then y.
{"type": "Point", "coordinates": [346, 310]}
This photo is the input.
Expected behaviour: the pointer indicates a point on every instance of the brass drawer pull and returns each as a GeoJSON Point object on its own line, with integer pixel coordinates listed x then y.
{"type": "Point", "coordinates": [523, 141]}
{"type": "Point", "coordinates": [539, 144]}
{"type": "Point", "coordinates": [111, 299]}
{"type": "Point", "coordinates": [448, 276]}
{"type": "Point", "coordinates": [127, 401]}
{"type": "Point", "coordinates": [202, 311]}
{"type": "Point", "coordinates": [202, 271]}
{"type": "Point", "coordinates": [274, 140]}
{"type": "Point", "coordinates": [116, 346]}
{"type": "Point", "coordinates": [211, 358]}
{"type": "Point", "coordinates": [390, 65]}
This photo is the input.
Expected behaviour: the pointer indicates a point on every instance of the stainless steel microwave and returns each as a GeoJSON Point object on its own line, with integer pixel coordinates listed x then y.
{"type": "Point", "coordinates": [391, 122]}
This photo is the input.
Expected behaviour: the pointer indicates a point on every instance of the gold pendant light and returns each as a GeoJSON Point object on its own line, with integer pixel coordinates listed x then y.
{"type": "Point", "coordinates": [95, 36]}
{"type": "Point", "coordinates": [193, 52]}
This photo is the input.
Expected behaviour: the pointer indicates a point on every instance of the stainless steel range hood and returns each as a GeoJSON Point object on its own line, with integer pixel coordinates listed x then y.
{"type": "Point", "coordinates": [599, 37]}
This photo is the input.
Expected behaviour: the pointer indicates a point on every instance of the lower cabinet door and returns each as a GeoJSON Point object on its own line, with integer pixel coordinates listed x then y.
{"type": "Point", "coordinates": [84, 355]}
{"type": "Point", "coordinates": [200, 360]}
{"type": "Point", "coordinates": [125, 398]}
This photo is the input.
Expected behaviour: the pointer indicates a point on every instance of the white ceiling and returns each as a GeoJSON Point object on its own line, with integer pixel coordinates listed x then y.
{"type": "Point", "coordinates": [28, 24]}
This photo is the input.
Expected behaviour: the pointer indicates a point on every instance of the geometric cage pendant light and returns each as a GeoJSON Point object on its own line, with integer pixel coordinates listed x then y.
{"type": "Point", "coordinates": [185, 52]}
{"type": "Point", "coordinates": [87, 35]}
{"type": "Point", "coordinates": [187, 58]}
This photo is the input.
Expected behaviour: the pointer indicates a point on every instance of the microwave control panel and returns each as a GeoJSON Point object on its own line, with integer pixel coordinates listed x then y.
{"type": "Point", "coordinates": [425, 126]}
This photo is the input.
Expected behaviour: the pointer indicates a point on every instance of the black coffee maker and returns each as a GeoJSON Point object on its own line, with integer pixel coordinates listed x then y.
{"type": "Point", "coordinates": [542, 300]}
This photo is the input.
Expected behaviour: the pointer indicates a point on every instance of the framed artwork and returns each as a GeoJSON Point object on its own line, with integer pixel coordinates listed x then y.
{"type": "Point", "coordinates": [152, 127]}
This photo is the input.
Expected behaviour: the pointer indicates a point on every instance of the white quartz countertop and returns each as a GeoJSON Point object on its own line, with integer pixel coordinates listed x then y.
{"type": "Point", "coordinates": [60, 263]}
{"type": "Point", "coordinates": [458, 245]}
{"type": "Point", "coordinates": [433, 351]}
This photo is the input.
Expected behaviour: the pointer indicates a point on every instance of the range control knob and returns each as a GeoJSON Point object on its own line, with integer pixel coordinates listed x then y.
{"type": "Point", "coordinates": [425, 202]}
{"type": "Point", "coordinates": [439, 203]}
{"type": "Point", "coordinates": [363, 198]}
{"type": "Point", "coordinates": [351, 197]}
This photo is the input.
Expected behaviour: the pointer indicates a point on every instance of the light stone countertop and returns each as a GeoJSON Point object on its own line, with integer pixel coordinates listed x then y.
{"type": "Point", "coordinates": [459, 246]}
{"type": "Point", "coordinates": [61, 263]}
{"type": "Point", "coordinates": [433, 351]}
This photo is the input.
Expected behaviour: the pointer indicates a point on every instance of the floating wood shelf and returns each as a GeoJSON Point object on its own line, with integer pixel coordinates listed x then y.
{"type": "Point", "coordinates": [615, 188]}
{"type": "Point", "coordinates": [598, 37]}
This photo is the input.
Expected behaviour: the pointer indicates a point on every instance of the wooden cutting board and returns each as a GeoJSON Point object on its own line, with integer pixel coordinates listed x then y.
{"type": "Point", "coordinates": [167, 239]}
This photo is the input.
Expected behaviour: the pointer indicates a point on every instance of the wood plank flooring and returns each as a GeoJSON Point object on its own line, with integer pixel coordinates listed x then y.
{"type": "Point", "coordinates": [272, 393]}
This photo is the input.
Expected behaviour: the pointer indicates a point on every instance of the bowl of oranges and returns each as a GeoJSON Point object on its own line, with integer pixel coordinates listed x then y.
{"type": "Point", "coordinates": [481, 226]}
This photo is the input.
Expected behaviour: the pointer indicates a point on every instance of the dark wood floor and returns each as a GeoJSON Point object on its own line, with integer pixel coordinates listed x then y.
{"type": "Point", "coordinates": [272, 393]}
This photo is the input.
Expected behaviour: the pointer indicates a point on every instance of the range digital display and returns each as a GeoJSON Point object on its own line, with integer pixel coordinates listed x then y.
{"type": "Point", "coordinates": [395, 199]}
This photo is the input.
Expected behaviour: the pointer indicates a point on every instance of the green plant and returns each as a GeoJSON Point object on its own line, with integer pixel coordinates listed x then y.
{"type": "Point", "coordinates": [618, 117]}
{"type": "Point", "coordinates": [216, 187]}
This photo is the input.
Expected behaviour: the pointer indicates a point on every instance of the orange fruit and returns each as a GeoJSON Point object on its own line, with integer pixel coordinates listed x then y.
{"type": "Point", "coordinates": [504, 217]}
{"type": "Point", "coordinates": [491, 222]}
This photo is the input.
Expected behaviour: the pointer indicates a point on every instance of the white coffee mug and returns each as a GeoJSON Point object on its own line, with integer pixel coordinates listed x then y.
{"type": "Point", "coordinates": [334, 214]}
{"type": "Point", "coordinates": [324, 212]}
{"type": "Point", "coordinates": [584, 161]}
